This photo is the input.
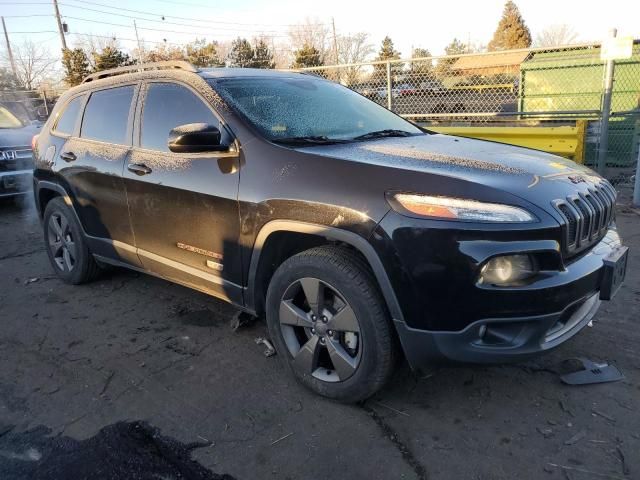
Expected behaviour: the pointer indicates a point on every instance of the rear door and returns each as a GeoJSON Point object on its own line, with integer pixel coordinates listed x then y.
{"type": "Point", "coordinates": [183, 206]}
{"type": "Point", "coordinates": [91, 161]}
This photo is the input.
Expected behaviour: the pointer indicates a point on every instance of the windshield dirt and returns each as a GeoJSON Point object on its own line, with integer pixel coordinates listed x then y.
{"type": "Point", "coordinates": [309, 108]}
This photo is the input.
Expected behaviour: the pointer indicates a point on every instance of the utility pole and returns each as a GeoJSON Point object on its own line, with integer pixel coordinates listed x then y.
{"type": "Point", "coordinates": [60, 29]}
{"type": "Point", "coordinates": [11, 59]}
{"type": "Point", "coordinates": [335, 41]}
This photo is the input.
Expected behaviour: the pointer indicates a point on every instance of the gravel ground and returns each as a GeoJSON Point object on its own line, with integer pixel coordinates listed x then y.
{"type": "Point", "coordinates": [133, 377]}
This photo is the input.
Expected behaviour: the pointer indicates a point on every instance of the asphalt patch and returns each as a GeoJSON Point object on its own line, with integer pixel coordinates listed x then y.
{"type": "Point", "coordinates": [124, 450]}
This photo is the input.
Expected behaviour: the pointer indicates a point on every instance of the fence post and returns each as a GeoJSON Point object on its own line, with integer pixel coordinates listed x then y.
{"type": "Point", "coordinates": [603, 145]}
{"type": "Point", "coordinates": [389, 97]}
{"type": "Point", "coordinates": [636, 186]}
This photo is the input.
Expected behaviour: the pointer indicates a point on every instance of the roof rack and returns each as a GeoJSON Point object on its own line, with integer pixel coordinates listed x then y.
{"type": "Point", "coordinates": [168, 65]}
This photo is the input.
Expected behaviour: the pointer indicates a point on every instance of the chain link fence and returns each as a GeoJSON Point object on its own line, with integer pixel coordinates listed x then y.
{"type": "Point", "coordinates": [517, 88]}
{"type": "Point", "coordinates": [30, 105]}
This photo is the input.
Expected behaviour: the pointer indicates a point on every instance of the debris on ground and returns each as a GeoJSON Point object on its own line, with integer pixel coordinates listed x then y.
{"type": "Point", "coordinates": [242, 319]}
{"type": "Point", "coordinates": [281, 438]}
{"type": "Point", "coordinates": [120, 450]}
{"type": "Point", "coordinates": [545, 432]}
{"type": "Point", "coordinates": [591, 373]}
{"type": "Point", "coordinates": [576, 438]}
{"type": "Point", "coordinates": [269, 351]}
{"type": "Point", "coordinates": [31, 280]}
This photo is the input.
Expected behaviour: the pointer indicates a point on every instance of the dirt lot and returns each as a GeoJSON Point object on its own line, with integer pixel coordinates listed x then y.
{"type": "Point", "coordinates": [133, 377]}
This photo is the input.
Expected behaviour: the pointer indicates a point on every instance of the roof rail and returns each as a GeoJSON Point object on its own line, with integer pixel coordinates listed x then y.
{"type": "Point", "coordinates": [168, 65]}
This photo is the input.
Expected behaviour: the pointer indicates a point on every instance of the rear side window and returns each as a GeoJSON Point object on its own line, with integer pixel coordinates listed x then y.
{"type": "Point", "coordinates": [67, 120]}
{"type": "Point", "coordinates": [106, 115]}
{"type": "Point", "coordinates": [167, 106]}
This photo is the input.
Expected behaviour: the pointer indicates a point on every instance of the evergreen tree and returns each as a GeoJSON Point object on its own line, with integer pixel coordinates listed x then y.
{"type": "Point", "coordinates": [262, 56]}
{"type": "Point", "coordinates": [241, 54]}
{"type": "Point", "coordinates": [110, 57]}
{"type": "Point", "coordinates": [203, 54]}
{"type": "Point", "coordinates": [387, 52]}
{"type": "Point", "coordinates": [307, 56]}
{"type": "Point", "coordinates": [512, 32]}
{"type": "Point", "coordinates": [423, 67]}
{"type": "Point", "coordinates": [76, 66]}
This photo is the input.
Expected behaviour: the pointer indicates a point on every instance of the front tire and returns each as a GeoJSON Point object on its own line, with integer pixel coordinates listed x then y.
{"type": "Point", "coordinates": [65, 244]}
{"type": "Point", "coordinates": [330, 325]}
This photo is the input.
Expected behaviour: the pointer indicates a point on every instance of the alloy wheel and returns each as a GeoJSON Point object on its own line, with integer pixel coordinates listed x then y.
{"type": "Point", "coordinates": [61, 242]}
{"type": "Point", "coordinates": [321, 330]}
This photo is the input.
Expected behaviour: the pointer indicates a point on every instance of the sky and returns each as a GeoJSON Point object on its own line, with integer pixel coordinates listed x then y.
{"type": "Point", "coordinates": [409, 23]}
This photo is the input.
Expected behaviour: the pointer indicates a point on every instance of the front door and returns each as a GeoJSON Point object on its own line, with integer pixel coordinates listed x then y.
{"type": "Point", "coordinates": [183, 206]}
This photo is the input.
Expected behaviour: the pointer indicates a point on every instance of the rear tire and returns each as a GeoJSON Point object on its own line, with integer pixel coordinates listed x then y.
{"type": "Point", "coordinates": [66, 247]}
{"type": "Point", "coordinates": [329, 324]}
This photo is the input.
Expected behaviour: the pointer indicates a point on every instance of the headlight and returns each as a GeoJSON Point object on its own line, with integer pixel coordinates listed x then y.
{"type": "Point", "coordinates": [508, 269]}
{"type": "Point", "coordinates": [459, 209]}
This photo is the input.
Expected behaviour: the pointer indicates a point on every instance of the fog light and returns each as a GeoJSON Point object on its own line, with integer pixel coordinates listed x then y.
{"type": "Point", "coordinates": [508, 269]}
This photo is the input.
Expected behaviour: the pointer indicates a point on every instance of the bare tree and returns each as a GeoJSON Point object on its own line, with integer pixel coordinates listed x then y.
{"type": "Point", "coordinates": [312, 33]}
{"type": "Point", "coordinates": [33, 64]}
{"type": "Point", "coordinates": [94, 45]}
{"type": "Point", "coordinates": [353, 48]}
{"type": "Point", "coordinates": [556, 35]}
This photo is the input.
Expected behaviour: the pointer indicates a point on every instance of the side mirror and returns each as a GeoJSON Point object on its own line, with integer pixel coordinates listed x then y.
{"type": "Point", "coordinates": [194, 138]}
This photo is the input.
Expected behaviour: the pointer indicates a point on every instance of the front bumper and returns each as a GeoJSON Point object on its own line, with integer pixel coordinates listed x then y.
{"type": "Point", "coordinates": [14, 183]}
{"type": "Point", "coordinates": [573, 295]}
{"type": "Point", "coordinates": [497, 340]}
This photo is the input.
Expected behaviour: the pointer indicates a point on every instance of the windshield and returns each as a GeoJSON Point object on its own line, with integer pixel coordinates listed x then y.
{"type": "Point", "coordinates": [309, 108]}
{"type": "Point", "coordinates": [8, 119]}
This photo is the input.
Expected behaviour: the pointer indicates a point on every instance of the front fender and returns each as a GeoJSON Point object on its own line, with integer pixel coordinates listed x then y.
{"type": "Point", "coordinates": [358, 242]}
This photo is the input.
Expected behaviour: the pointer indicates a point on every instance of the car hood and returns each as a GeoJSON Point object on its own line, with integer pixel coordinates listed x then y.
{"type": "Point", "coordinates": [533, 175]}
{"type": "Point", "coordinates": [18, 137]}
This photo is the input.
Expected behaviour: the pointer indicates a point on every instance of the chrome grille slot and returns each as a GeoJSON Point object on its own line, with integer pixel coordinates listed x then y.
{"type": "Point", "coordinates": [586, 217]}
{"type": "Point", "coordinates": [572, 224]}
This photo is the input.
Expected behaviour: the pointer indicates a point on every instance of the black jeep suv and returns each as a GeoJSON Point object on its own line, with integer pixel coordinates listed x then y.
{"type": "Point", "coordinates": [358, 234]}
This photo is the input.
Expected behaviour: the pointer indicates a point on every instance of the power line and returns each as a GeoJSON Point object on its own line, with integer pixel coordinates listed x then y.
{"type": "Point", "coordinates": [164, 22]}
{"type": "Point", "coordinates": [192, 19]}
{"type": "Point", "coordinates": [163, 30]}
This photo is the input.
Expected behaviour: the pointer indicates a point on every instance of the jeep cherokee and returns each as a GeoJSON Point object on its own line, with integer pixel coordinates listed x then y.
{"type": "Point", "coordinates": [360, 236]}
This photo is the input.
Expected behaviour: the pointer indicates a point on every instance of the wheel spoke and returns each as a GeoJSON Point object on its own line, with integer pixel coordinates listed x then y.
{"type": "Point", "coordinates": [345, 321]}
{"type": "Point", "coordinates": [55, 225]}
{"type": "Point", "coordinates": [64, 225]}
{"type": "Point", "coordinates": [314, 293]}
{"type": "Point", "coordinates": [306, 360]}
{"type": "Point", "coordinates": [343, 363]}
{"type": "Point", "coordinates": [292, 315]}
{"type": "Point", "coordinates": [67, 258]}
{"type": "Point", "coordinates": [56, 248]}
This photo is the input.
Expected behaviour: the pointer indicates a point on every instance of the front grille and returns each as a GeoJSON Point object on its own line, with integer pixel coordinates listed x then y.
{"type": "Point", "coordinates": [587, 216]}
{"type": "Point", "coordinates": [16, 158]}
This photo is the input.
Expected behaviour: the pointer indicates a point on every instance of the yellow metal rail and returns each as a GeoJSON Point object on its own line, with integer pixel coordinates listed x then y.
{"type": "Point", "coordinates": [565, 141]}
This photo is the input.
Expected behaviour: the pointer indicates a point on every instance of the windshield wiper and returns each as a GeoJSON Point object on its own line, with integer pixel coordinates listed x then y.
{"type": "Point", "coordinates": [309, 140]}
{"type": "Point", "coordinates": [384, 133]}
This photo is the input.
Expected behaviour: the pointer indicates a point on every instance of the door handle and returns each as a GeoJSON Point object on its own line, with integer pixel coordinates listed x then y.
{"type": "Point", "coordinates": [138, 168]}
{"type": "Point", "coordinates": [68, 156]}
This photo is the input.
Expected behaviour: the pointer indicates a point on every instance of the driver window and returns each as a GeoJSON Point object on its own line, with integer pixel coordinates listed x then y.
{"type": "Point", "coordinates": [168, 105]}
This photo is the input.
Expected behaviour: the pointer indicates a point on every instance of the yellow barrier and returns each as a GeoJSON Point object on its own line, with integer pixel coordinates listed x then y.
{"type": "Point", "coordinates": [564, 141]}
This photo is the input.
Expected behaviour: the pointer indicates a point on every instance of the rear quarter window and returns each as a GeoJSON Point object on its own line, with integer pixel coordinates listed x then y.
{"type": "Point", "coordinates": [107, 114]}
{"type": "Point", "coordinates": [67, 119]}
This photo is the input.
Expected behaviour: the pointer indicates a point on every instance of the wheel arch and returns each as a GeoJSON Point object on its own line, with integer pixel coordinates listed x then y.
{"type": "Point", "coordinates": [45, 191]}
{"type": "Point", "coordinates": [256, 288]}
